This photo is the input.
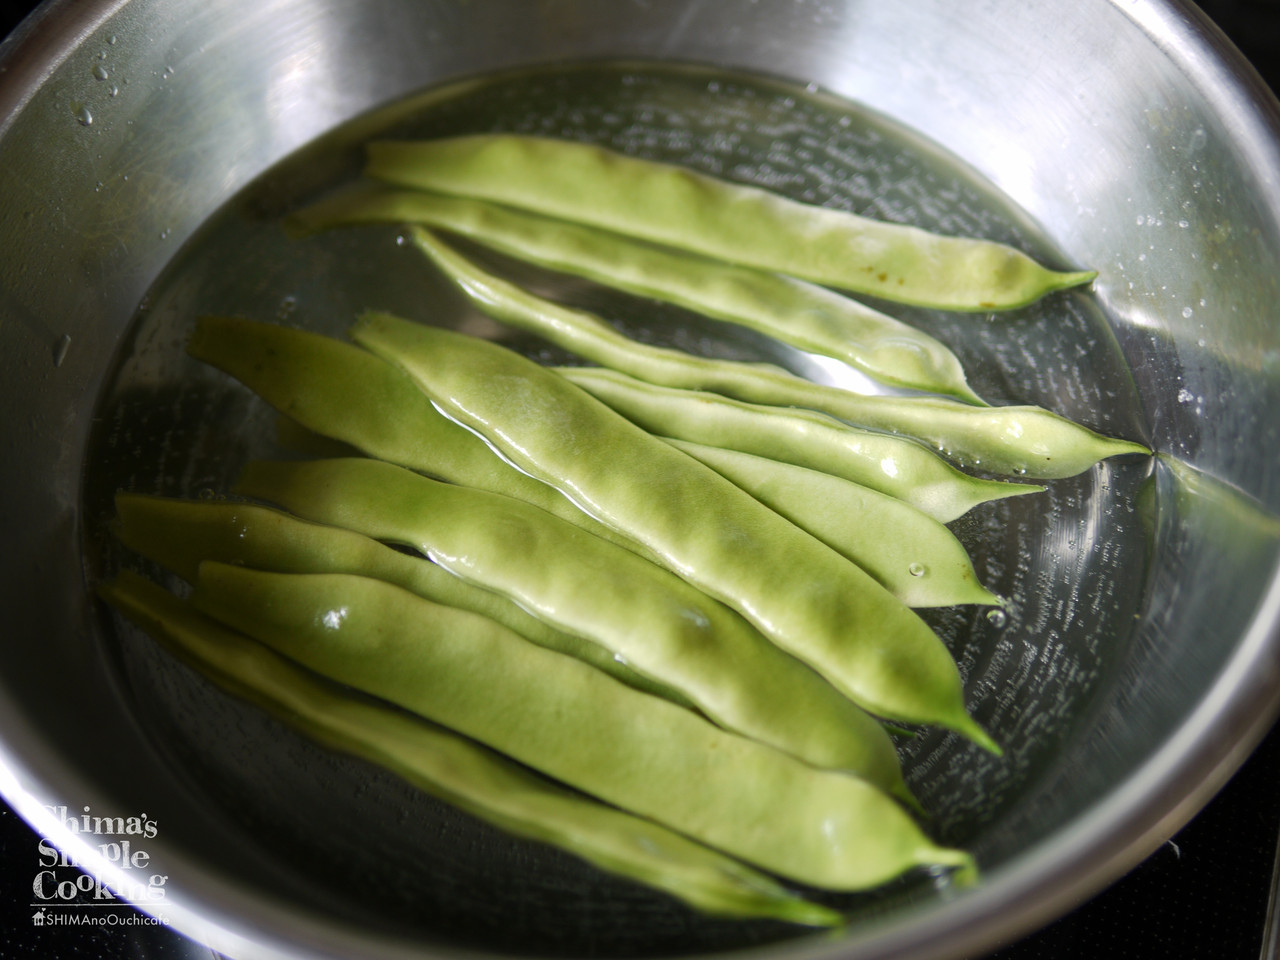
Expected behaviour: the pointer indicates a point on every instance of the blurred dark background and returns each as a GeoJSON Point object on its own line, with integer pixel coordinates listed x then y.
{"type": "Point", "coordinates": [1201, 896]}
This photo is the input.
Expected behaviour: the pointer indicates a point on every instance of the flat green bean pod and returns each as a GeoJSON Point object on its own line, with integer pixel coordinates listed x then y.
{"type": "Point", "coordinates": [796, 590]}
{"type": "Point", "coordinates": [804, 315]}
{"type": "Point", "coordinates": [1023, 440]}
{"type": "Point", "coordinates": [456, 770]}
{"type": "Point", "coordinates": [569, 721]}
{"type": "Point", "coordinates": [913, 556]}
{"type": "Point", "coordinates": [180, 534]}
{"type": "Point", "coordinates": [896, 466]}
{"type": "Point", "coordinates": [740, 224]}
{"type": "Point", "coordinates": [649, 618]}
{"type": "Point", "coordinates": [345, 393]}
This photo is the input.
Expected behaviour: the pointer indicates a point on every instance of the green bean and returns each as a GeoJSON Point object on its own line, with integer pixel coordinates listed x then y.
{"type": "Point", "coordinates": [179, 534]}
{"type": "Point", "coordinates": [740, 224]}
{"type": "Point", "coordinates": [458, 771]}
{"type": "Point", "coordinates": [793, 588]}
{"type": "Point", "coordinates": [574, 723]}
{"type": "Point", "coordinates": [658, 625]}
{"type": "Point", "coordinates": [894, 466]}
{"type": "Point", "coordinates": [1023, 440]}
{"type": "Point", "coordinates": [913, 556]}
{"type": "Point", "coordinates": [802, 314]}
{"type": "Point", "coordinates": [346, 394]}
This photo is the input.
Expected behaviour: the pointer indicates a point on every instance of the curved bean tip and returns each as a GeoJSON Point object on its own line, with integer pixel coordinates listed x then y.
{"type": "Point", "coordinates": [1066, 280]}
{"type": "Point", "coordinates": [1133, 448]}
{"type": "Point", "coordinates": [965, 875]}
{"type": "Point", "coordinates": [979, 736]}
{"type": "Point", "coordinates": [908, 800]}
{"type": "Point", "coordinates": [1079, 278]}
{"type": "Point", "coordinates": [966, 394]}
{"type": "Point", "coordinates": [989, 599]}
{"type": "Point", "coordinates": [809, 914]}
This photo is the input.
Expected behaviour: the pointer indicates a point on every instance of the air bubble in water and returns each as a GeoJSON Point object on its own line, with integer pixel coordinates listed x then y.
{"type": "Point", "coordinates": [100, 72]}
{"type": "Point", "coordinates": [997, 618]}
{"type": "Point", "coordinates": [82, 115]}
{"type": "Point", "coordinates": [916, 569]}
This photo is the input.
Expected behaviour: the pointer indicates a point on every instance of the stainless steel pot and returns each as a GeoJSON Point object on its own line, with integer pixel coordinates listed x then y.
{"type": "Point", "coordinates": [1130, 682]}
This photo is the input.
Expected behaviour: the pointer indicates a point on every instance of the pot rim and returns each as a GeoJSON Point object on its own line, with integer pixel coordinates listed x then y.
{"type": "Point", "coordinates": [1042, 883]}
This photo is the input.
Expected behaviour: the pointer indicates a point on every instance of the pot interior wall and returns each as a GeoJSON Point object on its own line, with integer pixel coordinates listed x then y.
{"type": "Point", "coordinates": [1131, 588]}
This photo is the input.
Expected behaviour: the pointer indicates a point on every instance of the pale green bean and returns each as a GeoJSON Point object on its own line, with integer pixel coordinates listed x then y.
{"type": "Point", "coordinates": [1022, 440]}
{"type": "Point", "coordinates": [913, 556]}
{"type": "Point", "coordinates": [346, 394]}
{"type": "Point", "coordinates": [457, 770]}
{"type": "Point", "coordinates": [795, 589]}
{"type": "Point", "coordinates": [729, 221]}
{"type": "Point", "coordinates": [649, 618]}
{"type": "Point", "coordinates": [804, 315]}
{"type": "Point", "coordinates": [179, 534]}
{"type": "Point", "coordinates": [895, 466]}
{"type": "Point", "coordinates": [574, 723]}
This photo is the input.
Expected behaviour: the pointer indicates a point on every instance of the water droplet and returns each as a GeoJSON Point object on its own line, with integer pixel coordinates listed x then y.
{"type": "Point", "coordinates": [115, 91]}
{"type": "Point", "coordinates": [112, 40]}
{"type": "Point", "coordinates": [82, 114]}
{"type": "Point", "coordinates": [60, 349]}
{"type": "Point", "coordinates": [1184, 224]}
{"type": "Point", "coordinates": [1186, 313]}
{"type": "Point", "coordinates": [916, 569]}
{"type": "Point", "coordinates": [100, 72]}
{"type": "Point", "coordinates": [997, 618]}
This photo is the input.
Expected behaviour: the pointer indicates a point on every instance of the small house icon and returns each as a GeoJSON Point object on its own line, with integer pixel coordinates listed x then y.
{"type": "Point", "coordinates": [37, 918]}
